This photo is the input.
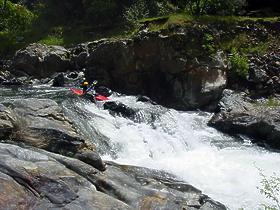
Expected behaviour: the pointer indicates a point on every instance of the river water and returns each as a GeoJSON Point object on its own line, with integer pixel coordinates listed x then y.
{"type": "Point", "coordinates": [225, 168]}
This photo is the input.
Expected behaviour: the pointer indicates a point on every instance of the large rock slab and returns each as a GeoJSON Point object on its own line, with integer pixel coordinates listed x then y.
{"type": "Point", "coordinates": [241, 115]}
{"type": "Point", "coordinates": [41, 123]}
{"type": "Point", "coordinates": [144, 188]}
{"type": "Point", "coordinates": [32, 180]}
{"type": "Point", "coordinates": [139, 188]}
{"type": "Point", "coordinates": [41, 61]}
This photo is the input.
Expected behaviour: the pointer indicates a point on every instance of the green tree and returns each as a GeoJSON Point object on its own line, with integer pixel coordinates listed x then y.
{"type": "Point", "coordinates": [197, 7]}
{"type": "Point", "coordinates": [214, 7]}
{"type": "Point", "coordinates": [137, 11]}
{"type": "Point", "coordinates": [4, 5]}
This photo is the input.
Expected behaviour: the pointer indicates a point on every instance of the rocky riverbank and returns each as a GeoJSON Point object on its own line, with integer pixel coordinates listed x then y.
{"type": "Point", "coordinates": [47, 163]}
{"type": "Point", "coordinates": [258, 119]}
{"type": "Point", "coordinates": [184, 67]}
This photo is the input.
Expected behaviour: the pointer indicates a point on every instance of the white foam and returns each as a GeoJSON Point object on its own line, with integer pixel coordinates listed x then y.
{"type": "Point", "coordinates": [181, 143]}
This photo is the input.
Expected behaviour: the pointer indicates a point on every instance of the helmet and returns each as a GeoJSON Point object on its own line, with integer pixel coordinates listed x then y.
{"type": "Point", "coordinates": [85, 83]}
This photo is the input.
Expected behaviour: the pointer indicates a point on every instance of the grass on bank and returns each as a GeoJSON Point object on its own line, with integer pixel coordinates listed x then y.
{"type": "Point", "coordinates": [181, 19]}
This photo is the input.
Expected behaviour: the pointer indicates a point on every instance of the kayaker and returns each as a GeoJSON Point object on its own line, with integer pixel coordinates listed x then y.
{"type": "Point", "coordinates": [85, 85]}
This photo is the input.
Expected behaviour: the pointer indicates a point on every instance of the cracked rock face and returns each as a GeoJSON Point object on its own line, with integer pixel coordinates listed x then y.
{"type": "Point", "coordinates": [31, 180]}
{"type": "Point", "coordinates": [241, 115]}
{"type": "Point", "coordinates": [36, 179]}
{"type": "Point", "coordinates": [41, 123]}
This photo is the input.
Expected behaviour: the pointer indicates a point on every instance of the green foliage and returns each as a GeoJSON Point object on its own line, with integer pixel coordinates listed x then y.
{"type": "Point", "coordinates": [239, 65]}
{"type": "Point", "coordinates": [15, 18]}
{"type": "Point", "coordinates": [165, 8]}
{"type": "Point", "coordinates": [260, 48]}
{"type": "Point", "coordinates": [214, 7]}
{"type": "Point", "coordinates": [208, 43]}
{"type": "Point", "coordinates": [52, 40]}
{"type": "Point", "coordinates": [142, 9]}
{"type": "Point", "coordinates": [270, 188]}
{"type": "Point", "coordinates": [272, 102]}
{"type": "Point", "coordinates": [242, 42]}
{"type": "Point", "coordinates": [137, 11]}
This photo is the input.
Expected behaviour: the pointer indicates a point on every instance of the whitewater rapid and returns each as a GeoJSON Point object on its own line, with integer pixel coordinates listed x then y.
{"type": "Point", "coordinates": [225, 168]}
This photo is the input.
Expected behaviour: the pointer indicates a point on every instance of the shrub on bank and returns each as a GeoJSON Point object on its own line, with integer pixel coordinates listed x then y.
{"type": "Point", "coordinates": [239, 65]}
{"type": "Point", "coordinates": [15, 19]}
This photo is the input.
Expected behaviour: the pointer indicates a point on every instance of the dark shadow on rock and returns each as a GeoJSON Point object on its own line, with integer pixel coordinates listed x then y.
{"type": "Point", "coordinates": [91, 158]}
{"type": "Point", "coordinates": [117, 108]}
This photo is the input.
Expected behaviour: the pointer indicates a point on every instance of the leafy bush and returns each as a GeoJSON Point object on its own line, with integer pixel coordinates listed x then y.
{"type": "Point", "coordinates": [239, 65]}
{"type": "Point", "coordinates": [272, 102]}
{"type": "Point", "coordinates": [15, 18]}
{"type": "Point", "coordinates": [137, 11]}
{"type": "Point", "coordinates": [215, 7]}
{"type": "Point", "coordinates": [165, 8]}
{"type": "Point", "coordinates": [208, 43]}
{"type": "Point", "coordinates": [143, 8]}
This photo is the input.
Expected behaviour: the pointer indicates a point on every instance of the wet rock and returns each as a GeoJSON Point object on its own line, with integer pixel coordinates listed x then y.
{"type": "Point", "coordinates": [6, 126]}
{"type": "Point", "coordinates": [146, 99]}
{"type": "Point", "coordinates": [118, 108]}
{"type": "Point", "coordinates": [34, 180]}
{"type": "Point", "coordinates": [240, 115]}
{"type": "Point", "coordinates": [59, 80]}
{"type": "Point", "coordinates": [37, 179]}
{"type": "Point", "coordinates": [41, 123]}
{"type": "Point", "coordinates": [150, 189]}
{"type": "Point", "coordinates": [12, 82]}
{"type": "Point", "coordinates": [40, 60]}
{"type": "Point", "coordinates": [263, 73]}
{"type": "Point", "coordinates": [91, 158]}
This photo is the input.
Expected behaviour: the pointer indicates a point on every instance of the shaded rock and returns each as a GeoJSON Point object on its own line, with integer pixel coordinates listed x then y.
{"type": "Point", "coordinates": [118, 108]}
{"type": "Point", "coordinates": [33, 180]}
{"type": "Point", "coordinates": [91, 158]}
{"type": "Point", "coordinates": [149, 189]}
{"type": "Point", "coordinates": [40, 60]}
{"type": "Point", "coordinates": [59, 80]}
{"type": "Point", "coordinates": [6, 126]}
{"type": "Point", "coordinates": [146, 99]}
{"type": "Point", "coordinates": [13, 82]}
{"type": "Point", "coordinates": [241, 115]}
{"type": "Point", "coordinates": [158, 66]}
{"type": "Point", "coordinates": [7, 79]}
{"type": "Point", "coordinates": [41, 123]}
{"type": "Point", "coordinates": [141, 188]}
{"type": "Point", "coordinates": [263, 78]}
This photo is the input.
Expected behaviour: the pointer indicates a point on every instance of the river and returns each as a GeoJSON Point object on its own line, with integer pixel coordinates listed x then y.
{"type": "Point", "coordinates": [223, 167]}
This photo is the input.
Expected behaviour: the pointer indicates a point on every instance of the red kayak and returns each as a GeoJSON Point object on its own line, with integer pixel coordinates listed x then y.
{"type": "Point", "coordinates": [98, 97]}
